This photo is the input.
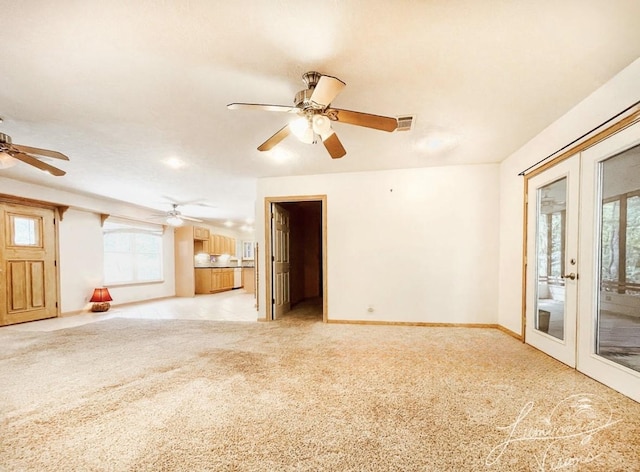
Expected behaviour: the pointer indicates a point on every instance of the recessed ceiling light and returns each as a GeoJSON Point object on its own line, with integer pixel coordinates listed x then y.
{"type": "Point", "coordinates": [228, 224]}
{"type": "Point", "coordinates": [174, 162]}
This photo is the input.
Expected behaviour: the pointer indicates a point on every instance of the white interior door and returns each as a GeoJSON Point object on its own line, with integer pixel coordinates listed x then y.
{"type": "Point", "coordinates": [609, 327]}
{"type": "Point", "coordinates": [552, 251]}
{"type": "Point", "coordinates": [281, 263]}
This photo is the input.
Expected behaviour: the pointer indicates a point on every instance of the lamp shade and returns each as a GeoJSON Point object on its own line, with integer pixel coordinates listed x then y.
{"type": "Point", "coordinates": [101, 295]}
{"type": "Point", "coordinates": [321, 125]}
{"type": "Point", "coordinates": [303, 130]}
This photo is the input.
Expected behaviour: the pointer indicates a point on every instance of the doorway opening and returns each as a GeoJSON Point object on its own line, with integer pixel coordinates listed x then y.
{"type": "Point", "coordinates": [295, 233]}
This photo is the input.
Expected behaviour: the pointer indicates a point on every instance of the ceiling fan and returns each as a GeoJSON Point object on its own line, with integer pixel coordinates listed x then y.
{"type": "Point", "coordinates": [11, 153]}
{"type": "Point", "coordinates": [312, 105]}
{"type": "Point", "coordinates": [174, 217]}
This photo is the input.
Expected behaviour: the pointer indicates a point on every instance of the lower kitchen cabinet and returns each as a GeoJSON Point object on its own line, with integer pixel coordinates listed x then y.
{"type": "Point", "coordinates": [248, 279]}
{"type": "Point", "coordinates": [213, 280]}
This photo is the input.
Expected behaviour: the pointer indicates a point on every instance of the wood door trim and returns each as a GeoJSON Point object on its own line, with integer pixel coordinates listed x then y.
{"type": "Point", "coordinates": [593, 140]}
{"type": "Point", "coordinates": [13, 200]}
{"type": "Point", "coordinates": [268, 289]}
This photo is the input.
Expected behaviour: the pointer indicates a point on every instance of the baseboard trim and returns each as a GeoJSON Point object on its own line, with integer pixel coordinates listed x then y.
{"type": "Point", "coordinates": [432, 325]}
{"type": "Point", "coordinates": [415, 323]}
{"type": "Point", "coordinates": [513, 334]}
{"type": "Point", "coordinates": [86, 311]}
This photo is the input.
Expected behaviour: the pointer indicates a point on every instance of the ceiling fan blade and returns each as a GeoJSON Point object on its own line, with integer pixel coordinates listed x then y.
{"type": "Point", "coordinates": [334, 146]}
{"type": "Point", "coordinates": [188, 218]}
{"type": "Point", "coordinates": [260, 107]}
{"type": "Point", "coordinates": [383, 123]}
{"type": "Point", "coordinates": [275, 139]}
{"type": "Point", "coordinates": [40, 152]}
{"type": "Point", "coordinates": [326, 90]}
{"type": "Point", "coordinates": [26, 158]}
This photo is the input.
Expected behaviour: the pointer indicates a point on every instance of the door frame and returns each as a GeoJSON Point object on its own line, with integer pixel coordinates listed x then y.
{"type": "Point", "coordinates": [58, 215]}
{"type": "Point", "coordinates": [268, 263]}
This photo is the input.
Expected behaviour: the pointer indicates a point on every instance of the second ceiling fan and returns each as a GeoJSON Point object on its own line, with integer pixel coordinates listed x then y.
{"type": "Point", "coordinates": [316, 115]}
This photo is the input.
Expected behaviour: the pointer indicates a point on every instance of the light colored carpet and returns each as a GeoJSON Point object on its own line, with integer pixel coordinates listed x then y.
{"type": "Point", "coordinates": [174, 395]}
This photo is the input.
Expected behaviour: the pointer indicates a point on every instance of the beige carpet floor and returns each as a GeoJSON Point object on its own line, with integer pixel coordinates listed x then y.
{"type": "Point", "coordinates": [176, 395]}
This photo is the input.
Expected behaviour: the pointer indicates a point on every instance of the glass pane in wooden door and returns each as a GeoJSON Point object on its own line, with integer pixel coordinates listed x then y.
{"type": "Point", "coordinates": [618, 317]}
{"type": "Point", "coordinates": [551, 237]}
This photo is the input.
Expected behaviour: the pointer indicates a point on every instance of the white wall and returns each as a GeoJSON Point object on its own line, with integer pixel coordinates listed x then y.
{"type": "Point", "coordinates": [607, 101]}
{"type": "Point", "coordinates": [80, 244]}
{"type": "Point", "coordinates": [418, 245]}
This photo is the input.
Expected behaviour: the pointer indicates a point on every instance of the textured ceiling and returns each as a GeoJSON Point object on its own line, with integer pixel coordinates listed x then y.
{"type": "Point", "coordinates": [121, 86]}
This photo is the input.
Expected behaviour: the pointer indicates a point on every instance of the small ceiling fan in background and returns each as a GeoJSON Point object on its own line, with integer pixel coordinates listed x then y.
{"type": "Point", "coordinates": [11, 153]}
{"type": "Point", "coordinates": [174, 217]}
{"type": "Point", "coordinates": [312, 105]}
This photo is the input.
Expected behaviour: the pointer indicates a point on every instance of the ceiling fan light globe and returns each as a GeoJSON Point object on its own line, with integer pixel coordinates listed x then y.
{"type": "Point", "coordinates": [309, 137]}
{"type": "Point", "coordinates": [174, 221]}
{"type": "Point", "coordinates": [321, 125]}
{"type": "Point", "coordinates": [7, 161]}
{"type": "Point", "coordinates": [299, 127]}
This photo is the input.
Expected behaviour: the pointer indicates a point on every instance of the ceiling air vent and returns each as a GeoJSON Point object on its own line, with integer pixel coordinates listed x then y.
{"type": "Point", "coordinates": [405, 123]}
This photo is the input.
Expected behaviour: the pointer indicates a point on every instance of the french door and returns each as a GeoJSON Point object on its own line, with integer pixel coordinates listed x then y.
{"type": "Point", "coordinates": [583, 261]}
{"type": "Point", "coordinates": [552, 266]}
{"type": "Point", "coordinates": [609, 291]}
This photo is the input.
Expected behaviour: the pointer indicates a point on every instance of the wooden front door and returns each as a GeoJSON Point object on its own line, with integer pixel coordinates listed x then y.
{"type": "Point", "coordinates": [28, 273]}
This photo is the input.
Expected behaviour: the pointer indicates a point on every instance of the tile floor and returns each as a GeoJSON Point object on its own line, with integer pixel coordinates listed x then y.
{"type": "Point", "coordinates": [234, 305]}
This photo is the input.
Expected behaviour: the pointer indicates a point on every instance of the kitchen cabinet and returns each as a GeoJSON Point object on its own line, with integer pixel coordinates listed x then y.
{"type": "Point", "coordinates": [219, 244]}
{"type": "Point", "coordinates": [203, 280]}
{"type": "Point", "coordinates": [248, 279]}
{"type": "Point", "coordinates": [201, 234]}
{"type": "Point", "coordinates": [201, 247]}
{"type": "Point", "coordinates": [215, 243]}
{"type": "Point", "coordinates": [211, 280]}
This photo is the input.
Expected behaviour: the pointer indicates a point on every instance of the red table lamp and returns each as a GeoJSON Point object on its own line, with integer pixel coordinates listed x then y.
{"type": "Point", "coordinates": [100, 299]}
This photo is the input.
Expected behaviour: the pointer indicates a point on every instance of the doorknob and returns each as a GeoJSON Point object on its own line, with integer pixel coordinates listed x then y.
{"type": "Point", "coordinates": [571, 276]}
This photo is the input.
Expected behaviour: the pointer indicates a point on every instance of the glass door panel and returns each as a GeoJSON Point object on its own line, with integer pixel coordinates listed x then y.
{"type": "Point", "coordinates": [551, 229]}
{"type": "Point", "coordinates": [618, 309]}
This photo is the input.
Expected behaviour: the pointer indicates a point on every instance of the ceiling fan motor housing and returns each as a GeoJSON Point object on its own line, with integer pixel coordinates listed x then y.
{"type": "Point", "coordinates": [5, 138]}
{"type": "Point", "coordinates": [303, 99]}
{"type": "Point", "coordinates": [311, 78]}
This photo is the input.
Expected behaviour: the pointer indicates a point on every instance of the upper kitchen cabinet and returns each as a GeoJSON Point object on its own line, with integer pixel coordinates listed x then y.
{"type": "Point", "coordinates": [201, 234]}
{"type": "Point", "coordinates": [219, 244]}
